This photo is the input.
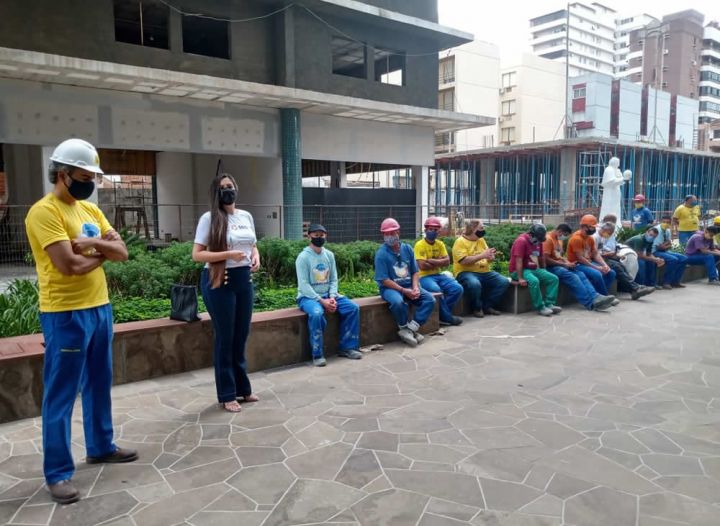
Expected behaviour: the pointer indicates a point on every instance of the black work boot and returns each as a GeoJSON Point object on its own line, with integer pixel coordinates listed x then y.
{"type": "Point", "coordinates": [119, 457]}
{"type": "Point", "coordinates": [64, 492]}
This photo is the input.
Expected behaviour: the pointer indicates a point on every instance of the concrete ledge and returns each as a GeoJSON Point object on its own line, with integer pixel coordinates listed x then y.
{"type": "Point", "coordinates": [153, 348]}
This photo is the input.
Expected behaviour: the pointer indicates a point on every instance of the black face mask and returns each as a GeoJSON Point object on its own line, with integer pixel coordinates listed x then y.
{"type": "Point", "coordinates": [227, 196]}
{"type": "Point", "coordinates": [591, 230]}
{"type": "Point", "coordinates": [80, 190]}
{"type": "Point", "coordinates": [480, 233]}
{"type": "Point", "coordinates": [317, 241]}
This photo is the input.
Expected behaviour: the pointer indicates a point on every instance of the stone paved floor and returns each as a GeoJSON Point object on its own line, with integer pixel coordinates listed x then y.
{"type": "Point", "coordinates": [607, 419]}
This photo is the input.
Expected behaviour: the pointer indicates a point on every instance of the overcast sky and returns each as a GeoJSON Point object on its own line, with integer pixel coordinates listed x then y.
{"type": "Point", "coordinates": [506, 22]}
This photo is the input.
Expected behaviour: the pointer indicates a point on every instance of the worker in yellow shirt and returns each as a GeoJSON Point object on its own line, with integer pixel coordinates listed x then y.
{"type": "Point", "coordinates": [686, 219]}
{"type": "Point", "coordinates": [432, 257]}
{"type": "Point", "coordinates": [70, 239]}
{"type": "Point", "coordinates": [716, 237]}
{"type": "Point", "coordinates": [471, 266]}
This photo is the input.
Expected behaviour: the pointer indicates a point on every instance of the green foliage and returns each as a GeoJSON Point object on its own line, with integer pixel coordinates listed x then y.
{"type": "Point", "coordinates": [274, 298]}
{"type": "Point", "coordinates": [626, 233]}
{"type": "Point", "coordinates": [136, 309]}
{"type": "Point", "coordinates": [19, 309]}
{"type": "Point", "coordinates": [359, 289]}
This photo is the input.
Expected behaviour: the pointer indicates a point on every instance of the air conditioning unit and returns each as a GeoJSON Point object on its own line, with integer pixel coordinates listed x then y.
{"type": "Point", "coordinates": [502, 91]}
{"type": "Point", "coordinates": [666, 51]}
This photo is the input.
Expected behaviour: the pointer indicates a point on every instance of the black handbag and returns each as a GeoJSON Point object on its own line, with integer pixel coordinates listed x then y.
{"type": "Point", "coordinates": [184, 303]}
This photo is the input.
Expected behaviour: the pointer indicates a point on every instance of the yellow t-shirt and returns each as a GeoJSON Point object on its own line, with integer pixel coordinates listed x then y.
{"type": "Point", "coordinates": [716, 240]}
{"type": "Point", "coordinates": [50, 220]}
{"type": "Point", "coordinates": [425, 250]}
{"type": "Point", "coordinates": [463, 248]}
{"type": "Point", "coordinates": [689, 218]}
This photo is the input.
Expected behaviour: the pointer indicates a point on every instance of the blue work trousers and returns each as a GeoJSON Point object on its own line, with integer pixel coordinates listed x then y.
{"type": "Point", "coordinates": [483, 289]}
{"type": "Point", "coordinates": [451, 290]}
{"type": "Point", "coordinates": [674, 266]}
{"type": "Point", "coordinates": [399, 306]}
{"type": "Point", "coordinates": [349, 314]}
{"type": "Point", "coordinates": [578, 284]}
{"type": "Point", "coordinates": [601, 282]}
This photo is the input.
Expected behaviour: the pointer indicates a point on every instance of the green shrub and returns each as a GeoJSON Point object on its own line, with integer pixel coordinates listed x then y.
{"type": "Point", "coordinates": [19, 309]}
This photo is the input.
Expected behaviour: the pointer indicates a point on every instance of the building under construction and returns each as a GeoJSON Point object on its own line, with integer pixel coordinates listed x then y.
{"type": "Point", "coordinates": [562, 179]}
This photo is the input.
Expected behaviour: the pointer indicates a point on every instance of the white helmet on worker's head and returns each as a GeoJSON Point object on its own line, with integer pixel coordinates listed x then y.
{"type": "Point", "coordinates": [77, 153]}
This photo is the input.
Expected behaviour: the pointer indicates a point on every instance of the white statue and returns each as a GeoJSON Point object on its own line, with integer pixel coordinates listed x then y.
{"type": "Point", "coordinates": [612, 181]}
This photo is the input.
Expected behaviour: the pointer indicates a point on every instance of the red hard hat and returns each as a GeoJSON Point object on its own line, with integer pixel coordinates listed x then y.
{"type": "Point", "coordinates": [589, 220]}
{"type": "Point", "coordinates": [433, 222]}
{"type": "Point", "coordinates": [389, 225]}
{"type": "Point", "coordinates": [639, 197]}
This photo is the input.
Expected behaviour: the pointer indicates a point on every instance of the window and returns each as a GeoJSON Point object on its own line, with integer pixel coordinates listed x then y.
{"type": "Point", "coordinates": [204, 36]}
{"type": "Point", "coordinates": [509, 79]}
{"type": "Point", "coordinates": [141, 22]}
{"type": "Point", "coordinates": [446, 100]}
{"type": "Point", "coordinates": [716, 134]}
{"type": "Point", "coordinates": [348, 57]}
{"type": "Point", "coordinates": [389, 66]}
{"type": "Point", "coordinates": [579, 93]}
{"type": "Point", "coordinates": [508, 107]}
{"type": "Point", "coordinates": [507, 134]}
{"type": "Point", "coordinates": [447, 70]}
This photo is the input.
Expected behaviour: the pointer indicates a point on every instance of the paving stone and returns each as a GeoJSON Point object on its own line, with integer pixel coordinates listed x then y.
{"type": "Point", "coordinates": [431, 453]}
{"type": "Point", "coordinates": [224, 518]}
{"type": "Point", "coordinates": [552, 434]}
{"type": "Point", "coordinates": [500, 438]}
{"type": "Point", "coordinates": [9, 508]}
{"type": "Point", "coordinates": [274, 436]}
{"type": "Point", "coordinates": [539, 477]}
{"type": "Point", "coordinates": [429, 519]}
{"type": "Point", "coordinates": [601, 507]}
{"type": "Point", "coordinates": [203, 455]}
{"type": "Point", "coordinates": [413, 425]}
{"type": "Point", "coordinates": [623, 442]}
{"type": "Point", "coordinates": [545, 505]}
{"type": "Point", "coordinates": [360, 425]}
{"type": "Point", "coordinates": [94, 510]}
{"type": "Point", "coordinates": [321, 463]}
{"type": "Point", "coordinates": [255, 456]}
{"type": "Point", "coordinates": [390, 508]}
{"type": "Point", "coordinates": [694, 445]}
{"type": "Point", "coordinates": [379, 484]}
{"type": "Point", "coordinates": [152, 492]}
{"type": "Point", "coordinates": [379, 440]}
{"type": "Point", "coordinates": [232, 501]}
{"type": "Point", "coordinates": [450, 437]}
{"type": "Point", "coordinates": [23, 466]}
{"type": "Point", "coordinates": [35, 515]}
{"type": "Point", "coordinates": [702, 488]}
{"type": "Point", "coordinates": [449, 486]}
{"type": "Point", "coordinates": [318, 434]}
{"type": "Point", "coordinates": [360, 469]}
{"type": "Point", "coordinates": [507, 496]}
{"type": "Point", "coordinates": [711, 466]}
{"type": "Point", "coordinates": [309, 501]}
{"type": "Point", "coordinates": [564, 486]}
{"type": "Point", "coordinates": [626, 459]}
{"type": "Point", "coordinates": [413, 438]}
{"type": "Point", "coordinates": [678, 508]}
{"type": "Point", "coordinates": [506, 464]}
{"type": "Point", "coordinates": [264, 484]}
{"type": "Point", "coordinates": [474, 419]}
{"type": "Point", "coordinates": [656, 441]}
{"type": "Point", "coordinates": [673, 464]}
{"type": "Point", "coordinates": [177, 508]}
{"type": "Point", "coordinates": [623, 415]}
{"type": "Point", "coordinates": [201, 476]}
{"type": "Point", "coordinates": [125, 476]}
{"type": "Point", "coordinates": [393, 460]}
{"type": "Point", "coordinates": [584, 424]}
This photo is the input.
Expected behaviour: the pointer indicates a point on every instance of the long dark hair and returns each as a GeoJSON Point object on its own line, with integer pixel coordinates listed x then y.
{"type": "Point", "coordinates": [218, 228]}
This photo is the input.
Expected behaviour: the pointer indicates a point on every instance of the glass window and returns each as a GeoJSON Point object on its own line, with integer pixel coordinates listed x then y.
{"type": "Point", "coordinates": [389, 66]}
{"type": "Point", "coordinates": [507, 134]}
{"type": "Point", "coordinates": [142, 22]}
{"type": "Point", "coordinates": [509, 79]}
{"type": "Point", "coordinates": [508, 107]}
{"type": "Point", "coordinates": [348, 57]}
{"type": "Point", "coordinates": [205, 36]}
{"type": "Point", "coordinates": [446, 100]}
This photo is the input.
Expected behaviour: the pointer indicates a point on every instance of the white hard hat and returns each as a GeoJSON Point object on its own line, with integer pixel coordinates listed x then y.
{"type": "Point", "coordinates": [78, 153]}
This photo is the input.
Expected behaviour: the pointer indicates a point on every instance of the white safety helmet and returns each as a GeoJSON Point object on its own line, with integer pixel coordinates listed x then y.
{"type": "Point", "coordinates": [78, 153]}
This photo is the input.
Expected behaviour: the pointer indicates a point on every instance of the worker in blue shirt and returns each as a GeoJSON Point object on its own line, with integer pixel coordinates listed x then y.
{"type": "Point", "coordinates": [641, 215]}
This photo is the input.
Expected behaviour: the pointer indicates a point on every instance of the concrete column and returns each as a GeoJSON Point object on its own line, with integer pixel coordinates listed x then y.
{"type": "Point", "coordinates": [421, 181]}
{"type": "Point", "coordinates": [291, 148]}
{"type": "Point", "coordinates": [338, 175]}
{"type": "Point", "coordinates": [568, 178]}
{"type": "Point", "coordinates": [487, 180]}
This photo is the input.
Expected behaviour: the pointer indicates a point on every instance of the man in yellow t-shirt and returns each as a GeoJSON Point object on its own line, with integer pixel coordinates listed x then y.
{"type": "Point", "coordinates": [432, 256]}
{"type": "Point", "coordinates": [471, 265]}
{"type": "Point", "coordinates": [686, 219]}
{"type": "Point", "coordinates": [716, 237]}
{"type": "Point", "coordinates": [70, 239]}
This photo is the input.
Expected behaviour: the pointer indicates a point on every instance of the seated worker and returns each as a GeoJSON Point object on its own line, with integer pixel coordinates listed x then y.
{"type": "Point", "coordinates": [318, 294]}
{"type": "Point", "coordinates": [641, 216]}
{"type": "Point", "coordinates": [607, 246]}
{"type": "Point", "coordinates": [627, 256]}
{"type": "Point", "coordinates": [648, 264]}
{"type": "Point", "coordinates": [566, 272]}
{"type": "Point", "coordinates": [686, 218]}
{"type": "Point", "coordinates": [674, 263]}
{"type": "Point", "coordinates": [700, 250]}
{"type": "Point", "coordinates": [432, 257]}
{"type": "Point", "coordinates": [398, 278]}
{"type": "Point", "coordinates": [527, 266]}
{"type": "Point", "coordinates": [582, 250]}
{"type": "Point", "coordinates": [716, 224]}
{"type": "Point", "coordinates": [471, 265]}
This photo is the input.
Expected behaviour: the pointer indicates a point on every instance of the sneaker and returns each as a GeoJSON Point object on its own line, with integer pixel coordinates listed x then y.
{"type": "Point", "coordinates": [715, 282]}
{"type": "Point", "coordinates": [492, 312]}
{"type": "Point", "coordinates": [120, 456]}
{"type": "Point", "coordinates": [678, 286]}
{"type": "Point", "coordinates": [479, 314]}
{"type": "Point", "coordinates": [658, 287]}
{"type": "Point", "coordinates": [455, 320]}
{"type": "Point", "coordinates": [64, 492]}
{"type": "Point", "coordinates": [667, 286]}
{"type": "Point", "coordinates": [602, 303]}
{"type": "Point", "coordinates": [615, 301]}
{"type": "Point", "coordinates": [407, 336]}
{"type": "Point", "coordinates": [352, 354]}
{"type": "Point", "coordinates": [545, 311]}
{"type": "Point", "coordinates": [413, 326]}
{"type": "Point", "coordinates": [419, 337]}
{"type": "Point", "coordinates": [635, 294]}
{"type": "Point", "coordinates": [644, 291]}
{"type": "Point", "coordinates": [555, 308]}
{"type": "Point", "coordinates": [319, 362]}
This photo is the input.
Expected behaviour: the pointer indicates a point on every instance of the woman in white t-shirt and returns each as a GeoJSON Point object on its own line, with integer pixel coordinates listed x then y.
{"type": "Point", "coordinates": [225, 241]}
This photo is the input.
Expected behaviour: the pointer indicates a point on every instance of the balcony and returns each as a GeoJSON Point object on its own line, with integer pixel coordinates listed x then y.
{"type": "Point", "coordinates": [446, 78]}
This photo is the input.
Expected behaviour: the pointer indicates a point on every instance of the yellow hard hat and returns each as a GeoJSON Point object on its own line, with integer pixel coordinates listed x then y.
{"type": "Point", "coordinates": [716, 221]}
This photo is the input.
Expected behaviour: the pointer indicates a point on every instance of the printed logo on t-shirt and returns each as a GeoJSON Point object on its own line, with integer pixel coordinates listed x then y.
{"type": "Point", "coordinates": [401, 270]}
{"type": "Point", "coordinates": [321, 274]}
{"type": "Point", "coordinates": [637, 218]}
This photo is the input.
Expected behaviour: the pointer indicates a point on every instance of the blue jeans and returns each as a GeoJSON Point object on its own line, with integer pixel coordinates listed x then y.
{"type": "Point", "coordinates": [399, 308]}
{"type": "Point", "coordinates": [684, 236]}
{"type": "Point", "coordinates": [674, 266]}
{"type": "Point", "coordinates": [578, 284]}
{"type": "Point", "coordinates": [451, 289]}
{"type": "Point", "coordinates": [483, 289]}
{"type": "Point", "coordinates": [601, 282]}
{"type": "Point", "coordinates": [230, 308]}
{"type": "Point", "coordinates": [349, 314]}
{"type": "Point", "coordinates": [709, 261]}
{"type": "Point", "coordinates": [78, 358]}
{"type": "Point", "coordinates": [647, 273]}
